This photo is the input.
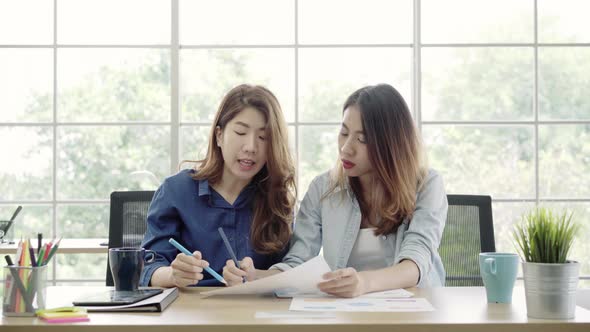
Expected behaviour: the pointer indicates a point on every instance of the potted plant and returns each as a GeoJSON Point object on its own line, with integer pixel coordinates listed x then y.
{"type": "Point", "coordinates": [544, 239]}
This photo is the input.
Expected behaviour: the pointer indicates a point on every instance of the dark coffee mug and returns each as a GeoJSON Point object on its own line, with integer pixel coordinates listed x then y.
{"type": "Point", "coordinates": [126, 265]}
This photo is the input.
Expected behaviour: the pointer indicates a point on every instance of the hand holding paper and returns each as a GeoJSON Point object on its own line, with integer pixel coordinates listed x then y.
{"type": "Point", "coordinates": [301, 279]}
{"type": "Point", "coordinates": [344, 283]}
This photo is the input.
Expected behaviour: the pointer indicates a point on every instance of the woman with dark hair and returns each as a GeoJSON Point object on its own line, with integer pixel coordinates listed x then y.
{"type": "Point", "coordinates": [245, 185]}
{"type": "Point", "coordinates": [379, 213]}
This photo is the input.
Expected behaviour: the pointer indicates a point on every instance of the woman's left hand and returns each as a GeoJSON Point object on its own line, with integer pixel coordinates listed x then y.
{"type": "Point", "coordinates": [344, 283]}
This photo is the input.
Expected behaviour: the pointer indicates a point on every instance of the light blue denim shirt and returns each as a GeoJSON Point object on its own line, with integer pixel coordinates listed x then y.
{"type": "Point", "coordinates": [334, 222]}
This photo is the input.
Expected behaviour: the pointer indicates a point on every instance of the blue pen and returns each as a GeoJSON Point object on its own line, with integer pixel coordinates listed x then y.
{"type": "Point", "coordinates": [186, 252]}
{"type": "Point", "coordinates": [229, 249]}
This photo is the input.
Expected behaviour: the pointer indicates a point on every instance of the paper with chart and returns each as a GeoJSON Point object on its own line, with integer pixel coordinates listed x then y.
{"type": "Point", "coordinates": [293, 314]}
{"type": "Point", "coordinates": [392, 293]}
{"type": "Point", "coordinates": [360, 304]}
{"type": "Point", "coordinates": [301, 279]}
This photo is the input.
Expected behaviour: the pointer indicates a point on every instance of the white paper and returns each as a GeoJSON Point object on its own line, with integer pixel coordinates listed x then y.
{"type": "Point", "coordinates": [292, 314]}
{"type": "Point", "coordinates": [388, 294]}
{"type": "Point", "coordinates": [300, 279]}
{"type": "Point", "coordinates": [360, 304]}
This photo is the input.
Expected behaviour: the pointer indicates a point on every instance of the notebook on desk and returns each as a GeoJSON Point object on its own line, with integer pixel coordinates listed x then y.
{"type": "Point", "coordinates": [156, 303]}
{"type": "Point", "coordinates": [111, 297]}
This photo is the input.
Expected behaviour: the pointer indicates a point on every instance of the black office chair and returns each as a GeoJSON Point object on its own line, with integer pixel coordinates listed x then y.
{"type": "Point", "coordinates": [127, 223]}
{"type": "Point", "coordinates": [469, 230]}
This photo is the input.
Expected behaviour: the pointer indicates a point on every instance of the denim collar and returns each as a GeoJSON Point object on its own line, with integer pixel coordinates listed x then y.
{"type": "Point", "coordinates": [204, 187]}
{"type": "Point", "coordinates": [215, 199]}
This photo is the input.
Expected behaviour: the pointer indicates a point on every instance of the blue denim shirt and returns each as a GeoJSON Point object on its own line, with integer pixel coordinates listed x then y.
{"type": "Point", "coordinates": [190, 211]}
{"type": "Point", "coordinates": [334, 223]}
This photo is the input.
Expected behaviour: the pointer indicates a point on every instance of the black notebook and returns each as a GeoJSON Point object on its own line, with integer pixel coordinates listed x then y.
{"type": "Point", "coordinates": [110, 297]}
{"type": "Point", "coordinates": [153, 303]}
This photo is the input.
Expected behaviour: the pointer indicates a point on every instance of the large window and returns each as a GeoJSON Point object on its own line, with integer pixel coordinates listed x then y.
{"type": "Point", "coordinates": [111, 95]}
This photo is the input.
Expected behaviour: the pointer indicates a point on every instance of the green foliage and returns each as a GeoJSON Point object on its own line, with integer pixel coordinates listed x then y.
{"type": "Point", "coordinates": [480, 84]}
{"type": "Point", "coordinates": [544, 236]}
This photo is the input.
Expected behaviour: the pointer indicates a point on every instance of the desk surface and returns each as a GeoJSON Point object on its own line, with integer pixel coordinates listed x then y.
{"type": "Point", "coordinates": [457, 309]}
{"type": "Point", "coordinates": [67, 246]}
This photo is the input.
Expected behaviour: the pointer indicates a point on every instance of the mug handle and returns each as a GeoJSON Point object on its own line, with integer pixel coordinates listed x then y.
{"type": "Point", "coordinates": [150, 256]}
{"type": "Point", "coordinates": [490, 265]}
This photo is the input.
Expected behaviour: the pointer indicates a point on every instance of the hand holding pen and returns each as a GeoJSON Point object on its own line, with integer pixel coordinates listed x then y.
{"type": "Point", "coordinates": [235, 275]}
{"type": "Point", "coordinates": [236, 272]}
{"type": "Point", "coordinates": [187, 267]}
{"type": "Point", "coordinates": [187, 270]}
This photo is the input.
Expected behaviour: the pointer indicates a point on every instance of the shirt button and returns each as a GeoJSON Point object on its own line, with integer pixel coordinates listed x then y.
{"type": "Point", "coordinates": [383, 237]}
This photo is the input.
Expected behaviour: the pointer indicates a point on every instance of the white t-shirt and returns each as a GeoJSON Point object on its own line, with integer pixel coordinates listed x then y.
{"type": "Point", "coordinates": [369, 250]}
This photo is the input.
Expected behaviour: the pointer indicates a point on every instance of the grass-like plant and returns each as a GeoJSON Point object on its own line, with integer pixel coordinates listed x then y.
{"type": "Point", "coordinates": [543, 236]}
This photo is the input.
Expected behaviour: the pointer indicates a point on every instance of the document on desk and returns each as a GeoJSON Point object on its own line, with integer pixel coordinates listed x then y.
{"type": "Point", "coordinates": [293, 314]}
{"type": "Point", "coordinates": [388, 294]}
{"type": "Point", "coordinates": [360, 304]}
{"type": "Point", "coordinates": [301, 279]}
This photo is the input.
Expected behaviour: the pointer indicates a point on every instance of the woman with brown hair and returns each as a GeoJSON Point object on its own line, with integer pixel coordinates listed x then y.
{"type": "Point", "coordinates": [379, 213]}
{"type": "Point", "coordinates": [245, 185]}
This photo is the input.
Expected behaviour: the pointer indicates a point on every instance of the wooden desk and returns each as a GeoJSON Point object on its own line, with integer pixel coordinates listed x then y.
{"type": "Point", "coordinates": [66, 246]}
{"type": "Point", "coordinates": [457, 309]}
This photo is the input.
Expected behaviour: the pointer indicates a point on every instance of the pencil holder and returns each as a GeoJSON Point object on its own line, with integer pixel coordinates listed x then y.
{"type": "Point", "coordinates": [24, 290]}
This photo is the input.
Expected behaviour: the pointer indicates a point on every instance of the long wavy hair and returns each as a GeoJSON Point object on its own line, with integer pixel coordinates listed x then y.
{"type": "Point", "coordinates": [395, 153]}
{"type": "Point", "coordinates": [275, 192]}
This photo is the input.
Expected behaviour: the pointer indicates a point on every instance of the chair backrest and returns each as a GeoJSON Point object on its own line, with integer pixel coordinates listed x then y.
{"type": "Point", "coordinates": [127, 222]}
{"type": "Point", "coordinates": [469, 230]}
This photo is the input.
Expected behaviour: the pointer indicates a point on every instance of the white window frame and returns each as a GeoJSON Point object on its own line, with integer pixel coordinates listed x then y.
{"type": "Point", "coordinates": [176, 123]}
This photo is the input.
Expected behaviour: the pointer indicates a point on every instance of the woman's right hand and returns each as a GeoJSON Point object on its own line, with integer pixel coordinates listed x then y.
{"type": "Point", "coordinates": [235, 276]}
{"type": "Point", "coordinates": [187, 270]}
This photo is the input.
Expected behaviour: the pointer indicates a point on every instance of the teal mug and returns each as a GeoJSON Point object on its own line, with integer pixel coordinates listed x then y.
{"type": "Point", "coordinates": [498, 271]}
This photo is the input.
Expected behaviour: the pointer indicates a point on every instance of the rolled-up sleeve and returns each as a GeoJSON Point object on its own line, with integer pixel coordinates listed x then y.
{"type": "Point", "coordinates": [163, 222]}
{"type": "Point", "coordinates": [307, 231]}
{"type": "Point", "coordinates": [422, 237]}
